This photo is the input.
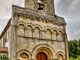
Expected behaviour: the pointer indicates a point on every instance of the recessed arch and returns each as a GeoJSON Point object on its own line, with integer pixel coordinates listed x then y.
{"type": "Point", "coordinates": [55, 31]}
{"type": "Point", "coordinates": [48, 31]}
{"type": "Point", "coordinates": [48, 34]}
{"type": "Point", "coordinates": [36, 25]}
{"type": "Point", "coordinates": [21, 26]}
{"type": "Point", "coordinates": [23, 54]}
{"type": "Point", "coordinates": [60, 36]}
{"type": "Point", "coordinates": [60, 57]}
{"type": "Point", "coordinates": [54, 35]}
{"type": "Point", "coordinates": [21, 22]}
{"type": "Point", "coordinates": [48, 50]}
{"type": "Point", "coordinates": [60, 32]}
{"type": "Point", "coordinates": [20, 29]}
{"type": "Point", "coordinates": [48, 28]}
{"type": "Point", "coordinates": [29, 25]}
{"type": "Point", "coordinates": [61, 54]}
{"type": "Point", "coordinates": [36, 32]}
{"type": "Point", "coordinates": [28, 31]}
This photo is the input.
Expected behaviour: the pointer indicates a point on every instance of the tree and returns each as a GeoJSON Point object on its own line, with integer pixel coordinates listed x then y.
{"type": "Point", "coordinates": [74, 48]}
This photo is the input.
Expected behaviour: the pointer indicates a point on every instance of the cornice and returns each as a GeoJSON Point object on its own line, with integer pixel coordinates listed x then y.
{"type": "Point", "coordinates": [34, 14]}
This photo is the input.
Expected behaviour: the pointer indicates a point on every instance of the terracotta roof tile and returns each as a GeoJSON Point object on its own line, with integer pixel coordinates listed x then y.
{"type": "Point", "coordinates": [3, 49]}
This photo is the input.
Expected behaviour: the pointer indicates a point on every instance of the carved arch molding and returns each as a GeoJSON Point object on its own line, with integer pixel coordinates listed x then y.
{"type": "Point", "coordinates": [42, 50]}
{"type": "Point", "coordinates": [36, 31]}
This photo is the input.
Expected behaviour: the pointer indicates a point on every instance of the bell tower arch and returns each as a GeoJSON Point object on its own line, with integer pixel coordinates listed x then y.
{"type": "Point", "coordinates": [46, 6]}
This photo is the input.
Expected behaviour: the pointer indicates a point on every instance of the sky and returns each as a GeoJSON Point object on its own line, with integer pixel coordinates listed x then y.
{"type": "Point", "coordinates": [69, 9]}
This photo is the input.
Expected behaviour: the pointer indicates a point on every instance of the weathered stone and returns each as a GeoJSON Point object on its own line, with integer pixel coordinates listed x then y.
{"type": "Point", "coordinates": [31, 31]}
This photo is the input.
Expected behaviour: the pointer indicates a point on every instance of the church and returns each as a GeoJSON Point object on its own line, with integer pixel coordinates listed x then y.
{"type": "Point", "coordinates": [34, 32]}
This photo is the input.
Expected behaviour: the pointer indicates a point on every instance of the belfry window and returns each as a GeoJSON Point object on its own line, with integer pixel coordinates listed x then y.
{"type": "Point", "coordinates": [40, 4]}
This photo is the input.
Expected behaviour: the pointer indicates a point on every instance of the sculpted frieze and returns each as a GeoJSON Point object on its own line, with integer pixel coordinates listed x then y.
{"type": "Point", "coordinates": [32, 13]}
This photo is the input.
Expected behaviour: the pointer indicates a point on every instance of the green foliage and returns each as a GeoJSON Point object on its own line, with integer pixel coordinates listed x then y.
{"type": "Point", "coordinates": [71, 58]}
{"type": "Point", "coordinates": [78, 58]}
{"type": "Point", "coordinates": [74, 49]}
{"type": "Point", "coordinates": [4, 57]}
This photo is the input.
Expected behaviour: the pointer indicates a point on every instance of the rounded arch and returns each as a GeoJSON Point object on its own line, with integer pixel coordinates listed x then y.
{"type": "Point", "coordinates": [60, 35]}
{"type": "Point", "coordinates": [21, 26]}
{"type": "Point", "coordinates": [29, 25]}
{"type": "Point", "coordinates": [60, 32]}
{"type": "Point", "coordinates": [20, 29]}
{"type": "Point", "coordinates": [28, 31]}
{"type": "Point", "coordinates": [45, 48]}
{"type": "Point", "coordinates": [38, 26]}
{"type": "Point", "coordinates": [55, 31]}
{"type": "Point", "coordinates": [48, 33]}
{"type": "Point", "coordinates": [48, 28]}
{"type": "Point", "coordinates": [36, 33]}
{"type": "Point", "coordinates": [25, 52]}
{"type": "Point", "coordinates": [21, 22]}
{"type": "Point", "coordinates": [60, 53]}
{"type": "Point", "coordinates": [54, 35]}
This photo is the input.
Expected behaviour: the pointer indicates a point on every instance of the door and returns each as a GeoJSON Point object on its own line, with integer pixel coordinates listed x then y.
{"type": "Point", "coordinates": [41, 56]}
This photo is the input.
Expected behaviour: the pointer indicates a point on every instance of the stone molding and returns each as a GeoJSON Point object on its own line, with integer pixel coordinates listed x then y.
{"type": "Point", "coordinates": [35, 15]}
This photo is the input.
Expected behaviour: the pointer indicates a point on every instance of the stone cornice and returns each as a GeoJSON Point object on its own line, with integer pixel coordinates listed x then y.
{"type": "Point", "coordinates": [34, 14]}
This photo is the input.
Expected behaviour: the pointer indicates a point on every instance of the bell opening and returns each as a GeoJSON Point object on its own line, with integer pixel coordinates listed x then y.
{"type": "Point", "coordinates": [40, 6]}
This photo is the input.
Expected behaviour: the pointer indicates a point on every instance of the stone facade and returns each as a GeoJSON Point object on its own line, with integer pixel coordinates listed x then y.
{"type": "Point", "coordinates": [31, 31]}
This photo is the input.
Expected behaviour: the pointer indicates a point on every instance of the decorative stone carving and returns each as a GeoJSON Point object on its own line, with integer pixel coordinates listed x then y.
{"type": "Point", "coordinates": [37, 31]}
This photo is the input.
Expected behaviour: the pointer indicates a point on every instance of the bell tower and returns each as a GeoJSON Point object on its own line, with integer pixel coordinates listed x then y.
{"type": "Point", "coordinates": [46, 6]}
{"type": "Point", "coordinates": [30, 4]}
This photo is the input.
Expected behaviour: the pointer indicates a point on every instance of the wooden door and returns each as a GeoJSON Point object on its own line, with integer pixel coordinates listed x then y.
{"type": "Point", "coordinates": [41, 56]}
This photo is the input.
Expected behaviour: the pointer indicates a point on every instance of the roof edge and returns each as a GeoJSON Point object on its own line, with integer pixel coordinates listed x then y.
{"type": "Point", "coordinates": [6, 27]}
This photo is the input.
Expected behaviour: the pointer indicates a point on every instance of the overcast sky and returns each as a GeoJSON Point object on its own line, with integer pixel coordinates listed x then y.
{"type": "Point", "coordinates": [69, 9]}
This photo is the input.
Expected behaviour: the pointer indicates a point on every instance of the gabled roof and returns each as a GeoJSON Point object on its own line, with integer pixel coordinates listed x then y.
{"type": "Point", "coordinates": [5, 29]}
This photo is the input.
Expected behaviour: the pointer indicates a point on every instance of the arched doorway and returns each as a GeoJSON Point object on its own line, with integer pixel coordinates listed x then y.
{"type": "Point", "coordinates": [41, 56]}
{"type": "Point", "coordinates": [45, 49]}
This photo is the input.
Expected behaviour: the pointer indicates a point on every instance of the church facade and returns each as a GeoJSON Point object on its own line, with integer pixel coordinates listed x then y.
{"type": "Point", "coordinates": [34, 32]}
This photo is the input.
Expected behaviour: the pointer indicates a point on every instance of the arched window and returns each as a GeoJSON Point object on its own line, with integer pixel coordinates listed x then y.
{"type": "Point", "coordinates": [48, 34]}
{"type": "Point", "coordinates": [21, 30]}
{"type": "Point", "coordinates": [59, 37]}
{"type": "Point", "coordinates": [28, 31]}
{"type": "Point", "coordinates": [60, 57]}
{"type": "Point", "coordinates": [36, 32]}
{"type": "Point", "coordinates": [40, 4]}
{"type": "Point", "coordinates": [54, 36]}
